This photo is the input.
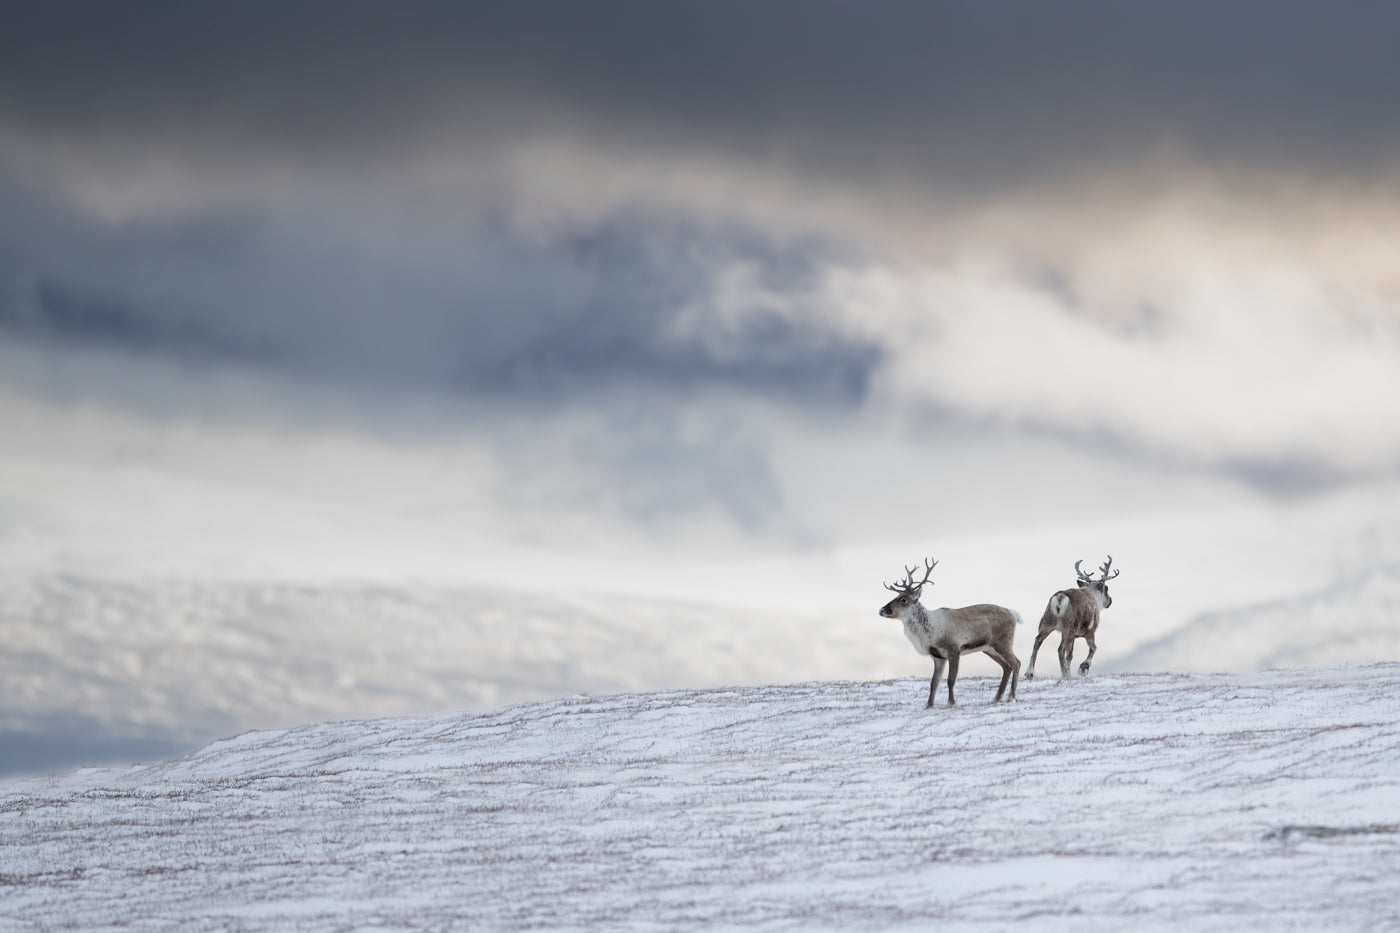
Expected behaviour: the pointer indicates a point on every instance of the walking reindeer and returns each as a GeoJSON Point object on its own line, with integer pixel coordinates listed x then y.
{"type": "Point", "coordinates": [1075, 614]}
{"type": "Point", "coordinates": [947, 634]}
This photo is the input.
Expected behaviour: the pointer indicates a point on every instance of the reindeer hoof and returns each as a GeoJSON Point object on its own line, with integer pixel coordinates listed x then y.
{"type": "Point", "coordinates": [1083, 669]}
{"type": "Point", "coordinates": [1030, 677]}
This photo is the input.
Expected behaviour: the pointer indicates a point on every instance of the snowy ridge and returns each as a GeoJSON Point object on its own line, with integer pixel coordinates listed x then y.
{"type": "Point", "coordinates": [175, 663]}
{"type": "Point", "coordinates": [1352, 617]}
{"type": "Point", "coordinates": [1170, 801]}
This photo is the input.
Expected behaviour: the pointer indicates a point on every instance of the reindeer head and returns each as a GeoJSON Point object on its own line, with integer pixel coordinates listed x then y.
{"type": "Point", "coordinates": [1087, 580]}
{"type": "Point", "coordinates": [908, 598]}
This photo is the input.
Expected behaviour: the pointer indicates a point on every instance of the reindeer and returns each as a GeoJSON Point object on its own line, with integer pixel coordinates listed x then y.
{"type": "Point", "coordinates": [1075, 614]}
{"type": "Point", "coordinates": [946, 634]}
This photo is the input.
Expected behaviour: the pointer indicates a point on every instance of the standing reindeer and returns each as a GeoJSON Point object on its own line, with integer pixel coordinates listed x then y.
{"type": "Point", "coordinates": [1075, 614]}
{"type": "Point", "coordinates": [946, 634]}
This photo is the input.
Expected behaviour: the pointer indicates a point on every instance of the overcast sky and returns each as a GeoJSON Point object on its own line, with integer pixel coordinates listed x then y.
{"type": "Point", "coordinates": [1160, 233]}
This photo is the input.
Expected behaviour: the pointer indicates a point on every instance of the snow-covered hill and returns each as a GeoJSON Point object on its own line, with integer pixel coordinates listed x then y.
{"type": "Point", "coordinates": [1350, 618]}
{"type": "Point", "coordinates": [110, 662]}
{"type": "Point", "coordinates": [1261, 801]}
{"type": "Point", "coordinates": [162, 586]}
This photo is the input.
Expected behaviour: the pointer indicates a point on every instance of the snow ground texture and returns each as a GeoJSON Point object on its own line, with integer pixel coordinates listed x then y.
{"type": "Point", "coordinates": [1261, 801]}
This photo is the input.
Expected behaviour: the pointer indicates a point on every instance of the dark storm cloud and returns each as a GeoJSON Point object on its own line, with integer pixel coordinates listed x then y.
{"type": "Point", "coordinates": [972, 90]}
{"type": "Point", "coordinates": [490, 313]}
{"type": "Point", "coordinates": [322, 89]}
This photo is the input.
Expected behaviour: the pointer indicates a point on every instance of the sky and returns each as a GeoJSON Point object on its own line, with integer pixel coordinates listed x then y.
{"type": "Point", "coordinates": [687, 278]}
{"type": "Point", "coordinates": [943, 212]}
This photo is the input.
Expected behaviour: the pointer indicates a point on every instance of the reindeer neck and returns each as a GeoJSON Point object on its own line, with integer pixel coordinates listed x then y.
{"type": "Point", "coordinates": [921, 618]}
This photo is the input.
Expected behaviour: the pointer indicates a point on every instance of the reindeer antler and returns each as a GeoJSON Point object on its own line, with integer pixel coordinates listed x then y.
{"type": "Point", "coordinates": [1085, 578]}
{"type": "Point", "coordinates": [909, 586]}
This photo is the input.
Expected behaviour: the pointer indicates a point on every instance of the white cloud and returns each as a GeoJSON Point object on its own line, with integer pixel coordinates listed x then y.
{"type": "Point", "coordinates": [1237, 374]}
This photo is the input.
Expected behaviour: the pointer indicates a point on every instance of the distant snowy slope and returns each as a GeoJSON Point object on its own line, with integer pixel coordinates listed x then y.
{"type": "Point", "coordinates": [1355, 617]}
{"type": "Point", "coordinates": [1259, 801]}
{"type": "Point", "coordinates": [167, 665]}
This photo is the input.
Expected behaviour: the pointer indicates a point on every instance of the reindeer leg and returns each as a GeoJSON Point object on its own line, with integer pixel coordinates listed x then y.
{"type": "Point", "coordinates": [952, 675]}
{"type": "Point", "coordinates": [937, 676]}
{"type": "Point", "coordinates": [1015, 663]}
{"type": "Point", "coordinates": [1040, 636]}
{"type": "Point", "coordinates": [1066, 654]}
{"type": "Point", "coordinates": [1084, 668]}
{"type": "Point", "coordinates": [997, 656]}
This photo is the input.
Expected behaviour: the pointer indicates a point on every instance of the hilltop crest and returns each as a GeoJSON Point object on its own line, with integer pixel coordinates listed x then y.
{"type": "Point", "coordinates": [1240, 801]}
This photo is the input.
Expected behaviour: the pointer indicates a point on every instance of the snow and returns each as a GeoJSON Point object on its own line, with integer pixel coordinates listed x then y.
{"type": "Point", "coordinates": [165, 584]}
{"type": "Point", "coordinates": [1350, 618]}
{"type": "Point", "coordinates": [107, 664]}
{"type": "Point", "coordinates": [1243, 801]}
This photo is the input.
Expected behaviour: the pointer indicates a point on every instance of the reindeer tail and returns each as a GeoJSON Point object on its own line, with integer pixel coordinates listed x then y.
{"type": "Point", "coordinates": [1054, 611]}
